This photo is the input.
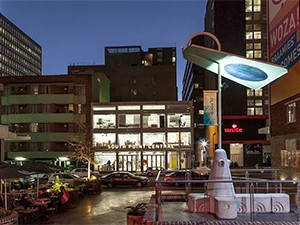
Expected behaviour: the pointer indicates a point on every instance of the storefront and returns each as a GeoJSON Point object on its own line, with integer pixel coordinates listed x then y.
{"type": "Point", "coordinates": [245, 143]}
{"type": "Point", "coordinates": [135, 136]}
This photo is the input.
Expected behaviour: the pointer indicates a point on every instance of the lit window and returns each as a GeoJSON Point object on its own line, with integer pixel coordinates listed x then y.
{"type": "Point", "coordinates": [250, 111]}
{"type": "Point", "coordinates": [250, 92]}
{"type": "Point", "coordinates": [249, 35]}
{"type": "Point", "coordinates": [257, 45]}
{"type": "Point", "coordinates": [258, 102]}
{"type": "Point", "coordinates": [196, 85]}
{"type": "Point", "coordinates": [258, 111]}
{"type": "Point", "coordinates": [249, 54]}
{"type": "Point", "coordinates": [257, 35]}
{"type": "Point", "coordinates": [201, 112]}
{"type": "Point", "coordinates": [257, 54]}
{"type": "Point", "coordinates": [258, 92]}
{"type": "Point", "coordinates": [291, 110]}
{"type": "Point", "coordinates": [250, 102]}
{"type": "Point", "coordinates": [249, 46]}
{"type": "Point", "coordinates": [256, 8]}
{"type": "Point", "coordinates": [173, 59]}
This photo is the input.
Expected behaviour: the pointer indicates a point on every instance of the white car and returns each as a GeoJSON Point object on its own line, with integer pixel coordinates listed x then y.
{"type": "Point", "coordinates": [63, 177]}
{"type": "Point", "coordinates": [83, 172]}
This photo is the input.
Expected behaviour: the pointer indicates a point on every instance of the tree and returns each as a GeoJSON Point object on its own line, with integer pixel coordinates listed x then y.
{"type": "Point", "coordinates": [81, 145]}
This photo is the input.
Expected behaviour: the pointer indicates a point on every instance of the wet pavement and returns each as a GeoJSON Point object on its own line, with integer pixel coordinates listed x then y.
{"type": "Point", "coordinates": [107, 208]}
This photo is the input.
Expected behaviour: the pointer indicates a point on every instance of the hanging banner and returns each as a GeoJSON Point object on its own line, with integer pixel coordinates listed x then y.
{"type": "Point", "coordinates": [210, 108]}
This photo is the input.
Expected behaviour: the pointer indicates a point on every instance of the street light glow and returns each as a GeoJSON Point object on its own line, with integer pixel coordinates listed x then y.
{"type": "Point", "coordinates": [251, 73]}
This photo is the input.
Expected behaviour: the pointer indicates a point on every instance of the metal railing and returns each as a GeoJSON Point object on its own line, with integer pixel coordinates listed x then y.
{"type": "Point", "coordinates": [251, 186]}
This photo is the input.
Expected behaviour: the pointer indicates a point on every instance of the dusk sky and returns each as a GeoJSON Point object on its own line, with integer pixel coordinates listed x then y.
{"type": "Point", "coordinates": [72, 32]}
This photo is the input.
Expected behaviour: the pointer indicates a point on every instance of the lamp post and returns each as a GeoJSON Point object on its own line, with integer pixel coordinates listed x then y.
{"type": "Point", "coordinates": [250, 73]}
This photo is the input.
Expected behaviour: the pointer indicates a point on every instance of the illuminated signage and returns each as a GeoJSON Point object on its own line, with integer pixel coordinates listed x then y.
{"type": "Point", "coordinates": [234, 129]}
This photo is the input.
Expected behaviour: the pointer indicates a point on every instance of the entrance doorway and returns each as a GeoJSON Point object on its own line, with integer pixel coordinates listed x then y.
{"type": "Point", "coordinates": [127, 163]}
{"type": "Point", "coordinates": [153, 161]}
{"type": "Point", "coordinates": [237, 154]}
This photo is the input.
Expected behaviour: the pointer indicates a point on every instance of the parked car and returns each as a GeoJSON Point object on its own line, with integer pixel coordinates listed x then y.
{"type": "Point", "coordinates": [153, 171]}
{"type": "Point", "coordinates": [123, 178]}
{"type": "Point", "coordinates": [22, 183]}
{"type": "Point", "coordinates": [83, 172]}
{"type": "Point", "coordinates": [180, 175]}
{"type": "Point", "coordinates": [63, 177]}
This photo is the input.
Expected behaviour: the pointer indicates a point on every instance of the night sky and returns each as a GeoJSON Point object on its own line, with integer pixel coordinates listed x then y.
{"type": "Point", "coordinates": [72, 32]}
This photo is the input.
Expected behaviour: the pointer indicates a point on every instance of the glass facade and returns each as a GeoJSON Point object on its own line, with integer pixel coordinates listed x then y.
{"type": "Point", "coordinates": [137, 136]}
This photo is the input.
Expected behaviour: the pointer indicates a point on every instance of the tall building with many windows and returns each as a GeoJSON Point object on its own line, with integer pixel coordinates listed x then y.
{"type": "Point", "coordinates": [19, 54]}
{"type": "Point", "coordinates": [241, 27]}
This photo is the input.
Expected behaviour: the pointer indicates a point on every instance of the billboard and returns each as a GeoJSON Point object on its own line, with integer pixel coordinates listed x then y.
{"type": "Point", "coordinates": [284, 35]}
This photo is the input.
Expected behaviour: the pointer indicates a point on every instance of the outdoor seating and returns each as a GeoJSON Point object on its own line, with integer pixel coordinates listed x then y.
{"type": "Point", "coordinates": [28, 216]}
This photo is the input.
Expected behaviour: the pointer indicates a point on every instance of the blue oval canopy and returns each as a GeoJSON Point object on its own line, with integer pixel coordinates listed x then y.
{"type": "Point", "coordinates": [245, 72]}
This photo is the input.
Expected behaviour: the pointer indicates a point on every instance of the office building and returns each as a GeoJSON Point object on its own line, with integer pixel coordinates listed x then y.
{"type": "Point", "coordinates": [241, 28]}
{"type": "Point", "coordinates": [20, 55]}
{"type": "Point", "coordinates": [137, 75]}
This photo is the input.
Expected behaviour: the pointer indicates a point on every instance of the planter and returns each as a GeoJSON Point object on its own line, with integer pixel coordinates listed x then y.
{"type": "Point", "coordinates": [12, 219]}
{"type": "Point", "coordinates": [135, 219]}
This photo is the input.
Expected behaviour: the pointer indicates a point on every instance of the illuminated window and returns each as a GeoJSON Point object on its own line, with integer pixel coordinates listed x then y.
{"type": "Point", "coordinates": [250, 102]}
{"type": "Point", "coordinates": [257, 54]}
{"type": "Point", "coordinates": [258, 92]}
{"type": "Point", "coordinates": [249, 35]}
{"type": "Point", "coordinates": [249, 54]}
{"type": "Point", "coordinates": [250, 92]}
{"type": "Point", "coordinates": [173, 59]}
{"type": "Point", "coordinates": [291, 112]}
{"type": "Point", "coordinates": [258, 111]}
{"type": "Point", "coordinates": [196, 85]}
{"type": "Point", "coordinates": [249, 46]}
{"type": "Point", "coordinates": [257, 45]}
{"type": "Point", "coordinates": [250, 111]}
{"type": "Point", "coordinates": [258, 102]}
{"type": "Point", "coordinates": [257, 35]}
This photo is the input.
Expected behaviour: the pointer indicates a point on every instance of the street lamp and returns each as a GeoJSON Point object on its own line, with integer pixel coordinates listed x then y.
{"type": "Point", "coordinates": [250, 73]}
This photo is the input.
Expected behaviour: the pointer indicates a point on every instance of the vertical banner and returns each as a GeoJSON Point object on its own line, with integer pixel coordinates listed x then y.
{"type": "Point", "coordinates": [210, 108]}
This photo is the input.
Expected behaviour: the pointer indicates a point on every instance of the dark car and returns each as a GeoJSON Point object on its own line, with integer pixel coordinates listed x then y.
{"type": "Point", "coordinates": [123, 178]}
{"type": "Point", "coordinates": [180, 175]}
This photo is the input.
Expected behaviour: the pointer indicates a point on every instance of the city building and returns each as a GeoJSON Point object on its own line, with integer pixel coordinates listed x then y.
{"type": "Point", "coordinates": [137, 75]}
{"type": "Point", "coordinates": [19, 54]}
{"type": "Point", "coordinates": [132, 136]}
{"type": "Point", "coordinates": [285, 92]}
{"type": "Point", "coordinates": [241, 28]}
{"type": "Point", "coordinates": [48, 109]}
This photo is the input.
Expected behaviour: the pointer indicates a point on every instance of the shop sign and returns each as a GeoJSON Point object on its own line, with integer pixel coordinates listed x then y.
{"type": "Point", "coordinates": [234, 129]}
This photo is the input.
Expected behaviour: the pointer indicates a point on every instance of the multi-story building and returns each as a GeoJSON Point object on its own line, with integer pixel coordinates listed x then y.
{"type": "Point", "coordinates": [49, 109]}
{"type": "Point", "coordinates": [19, 54]}
{"type": "Point", "coordinates": [285, 92]}
{"type": "Point", "coordinates": [136, 75]}
{"type": "Point", "coordinates": [241, 28]}
{"type": "Point", "coordinates": [132, 136]}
